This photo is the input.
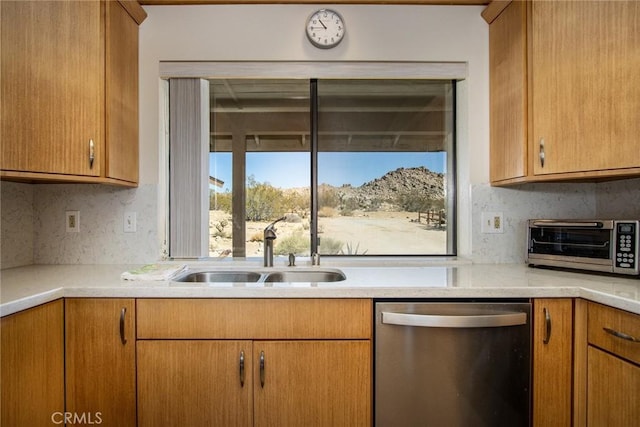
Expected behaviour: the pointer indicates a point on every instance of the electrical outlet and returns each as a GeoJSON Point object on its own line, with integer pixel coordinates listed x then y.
{"type": "Point", "coordinates": [72, 221]}
{"type": "Point", "coordinates": [129, 222]}
{"type": "Point", "coordinates": [492, 222]}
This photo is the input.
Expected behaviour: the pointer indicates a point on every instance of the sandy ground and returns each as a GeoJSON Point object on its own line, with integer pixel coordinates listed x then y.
{"type": "Point", "coordinates": [377, 233]}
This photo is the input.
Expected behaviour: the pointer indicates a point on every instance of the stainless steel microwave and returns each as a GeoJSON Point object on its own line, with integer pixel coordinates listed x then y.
{"type": "Point", "coordinates": [608, 245]}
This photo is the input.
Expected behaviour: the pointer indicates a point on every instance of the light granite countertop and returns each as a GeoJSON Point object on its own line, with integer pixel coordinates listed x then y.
{"type": "Point", "coordinates": [26, 287]}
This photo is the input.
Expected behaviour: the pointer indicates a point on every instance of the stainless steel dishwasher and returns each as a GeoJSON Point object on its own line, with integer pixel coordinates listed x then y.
{"type": "Point", "coordinates": [452, 364]}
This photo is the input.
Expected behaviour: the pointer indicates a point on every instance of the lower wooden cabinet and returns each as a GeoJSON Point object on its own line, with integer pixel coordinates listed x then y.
{"type": "Point", "coordinates": [254, 362]}
{"type": "Point", "coordinates": [100, 360]}
{"type": "Point", "coordinates": [613, 367]}
{"type": "Point", "coordinates": [33, 366]}
{"type": "Point", "coordinates": [552, 362]}
{"type": "Point", "coordinates": [613, 390]}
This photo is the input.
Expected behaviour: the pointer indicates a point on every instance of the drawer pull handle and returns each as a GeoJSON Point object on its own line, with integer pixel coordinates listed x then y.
{"type": "Point", "coordinates": [123, 312]}
{"type": "Point", "coordinates": [262, 369]}
{"type": "Point", "coordinates": [541, 152]}
{"type": "Point", "coordinates": [242, 368]}
{"type": "Point", "coordinates": [547, 326]}
{"type": "Point", "coordinates": [621, 335]}
{"type": "Point", "coordinates": [92, 153]}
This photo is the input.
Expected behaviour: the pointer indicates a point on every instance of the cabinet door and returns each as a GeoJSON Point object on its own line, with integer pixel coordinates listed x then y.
{"type": "Point", "coordinates": [122, 94]}
{"type": "Point", "coordinates": [585, 85]}
{"type": "Point", "coordinates": [100, 359]}
{"type": "Point", "coordinates": [194, 383]}
{"type": "Point", "coordinates": [33, 366]}
{"type": "Point", "coordinates": [552, 361]}
{"type": "Point", "coordinates": [508, 93]}
{"type": "Point", "coordinates": [312, 383]}
{"type": "Point", "coordinates": [52, 86]}
{"type": "Point", "coordinates": [613, 390]}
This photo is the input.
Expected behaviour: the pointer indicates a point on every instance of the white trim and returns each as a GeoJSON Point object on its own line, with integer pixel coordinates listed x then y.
{"type": "Point", "coordinates": [314, 69]}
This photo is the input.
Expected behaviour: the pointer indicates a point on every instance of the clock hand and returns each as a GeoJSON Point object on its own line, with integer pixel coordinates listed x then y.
{"type": "Point", "coordinates": [321, 23]}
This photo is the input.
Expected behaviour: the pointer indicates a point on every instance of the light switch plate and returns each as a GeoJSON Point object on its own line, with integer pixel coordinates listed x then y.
{"type": "Point", "coordinates": [129, 222]}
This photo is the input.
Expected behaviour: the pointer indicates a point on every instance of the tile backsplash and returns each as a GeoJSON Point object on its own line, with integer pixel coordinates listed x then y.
{"type": "Point", "coordinates": [33, 224]}
{"type": "Point", "coordinates": [33, 218]}
{"type": "Point", "coordinates": [16, 230]}
{"type": "Point", "coordinates": [518, 204]}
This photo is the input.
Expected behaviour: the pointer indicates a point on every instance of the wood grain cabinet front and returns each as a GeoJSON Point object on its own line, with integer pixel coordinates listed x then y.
{"type": "Point", "coordinates": [100, 360]}
{"type": "Point", "coordinates": [564, 91]}
{"type": "Point", "coordinates": [552, 361]}
{"type": "Point", "coordinates": [33, 366]}
{"type": "Point", "coordinates": [69, 84]}
{"type": "Point", "coordinates": [254, 362]}
{"type": "Point", "coordinates": [613, 367]}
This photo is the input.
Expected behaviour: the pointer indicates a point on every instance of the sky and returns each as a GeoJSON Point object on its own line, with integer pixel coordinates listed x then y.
{"type": "Point", "coordinates": [291, 170]}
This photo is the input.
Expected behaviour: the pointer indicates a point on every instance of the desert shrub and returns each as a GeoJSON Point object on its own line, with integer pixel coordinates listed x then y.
{"type": "Point", "coordinates": [350, 204]}
{"type": "Point", "coordinates": [327, 212]}
{"type": "Point", "coordinates": [351, 250]}
{"type": "Point", "coordinates": [417, 201]}
{"type": "Point", "coordinates": [258, 236]}
{"type": "Point", "coordinates": [264, 202]}
{"type": "Point", "coordinates": [328, 196]}
{"type": "Point", "coordinates": [297, 202]}
{"type": "Point", "coordinates": [220, 202]}
{"type": "Point", "coordinates": [329, 246]}
{"type": "Point", "coordinates": [218, 229]}
{"type": "Point", "coordinates": [292, 218]}
{"type": "Point", "coordinates": [296, 243]}
{"type": "Point", "coordinates": [374, 205]}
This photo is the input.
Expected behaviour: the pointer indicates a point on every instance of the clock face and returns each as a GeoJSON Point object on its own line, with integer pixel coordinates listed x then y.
{"type": "Point", "coordinates": [325, 28]}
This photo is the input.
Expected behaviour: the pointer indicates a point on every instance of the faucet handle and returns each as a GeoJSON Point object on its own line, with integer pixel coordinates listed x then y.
{"type": "Point", "coordinates": [292, 260]}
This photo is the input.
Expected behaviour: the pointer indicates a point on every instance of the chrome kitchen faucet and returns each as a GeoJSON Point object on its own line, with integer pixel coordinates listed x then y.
{"type": "Point", "coordinates": [269, 237]}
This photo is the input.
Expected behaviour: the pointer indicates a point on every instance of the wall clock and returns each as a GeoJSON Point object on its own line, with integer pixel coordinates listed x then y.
{"type": "Point", "coordinates": [325, 28]}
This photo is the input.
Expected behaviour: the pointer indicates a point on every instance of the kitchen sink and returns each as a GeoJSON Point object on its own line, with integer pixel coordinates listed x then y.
{"type": "Point", "coordinates": [305, 276]}
{"type": "Point", "coordinates": [221, 276]}
{"type": "Point", "coordinates": [275, 276]}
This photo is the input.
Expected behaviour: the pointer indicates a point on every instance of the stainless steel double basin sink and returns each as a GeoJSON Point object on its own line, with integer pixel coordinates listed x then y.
{"type": "Point", "coordinates": [312, 275]}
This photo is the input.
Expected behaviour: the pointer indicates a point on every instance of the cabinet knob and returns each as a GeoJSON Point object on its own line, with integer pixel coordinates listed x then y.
{"type": "Point", "coordinates": [541, 152]}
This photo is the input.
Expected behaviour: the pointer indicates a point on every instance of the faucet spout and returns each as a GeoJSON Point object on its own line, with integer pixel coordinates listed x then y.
{"type": "Point", "coordinates": [269, 237]}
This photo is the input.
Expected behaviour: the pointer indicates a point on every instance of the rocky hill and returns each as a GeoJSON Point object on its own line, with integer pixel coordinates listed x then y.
{"type": "Point", "coordinates": [388, 191]}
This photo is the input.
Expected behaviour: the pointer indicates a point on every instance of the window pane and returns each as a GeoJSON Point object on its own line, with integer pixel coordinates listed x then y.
{"type": "Point", "coordinates": [278, 186]}
{"type": "Point", "coordinates": [220, 202]}
{"type": "Point", "coordinates": [385, 147]}
{"type": "Point", "coordinates": [261, 128]}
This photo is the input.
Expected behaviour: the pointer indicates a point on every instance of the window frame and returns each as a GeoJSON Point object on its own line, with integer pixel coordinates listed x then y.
{"type": "Point", "coordinates": [313, 71]}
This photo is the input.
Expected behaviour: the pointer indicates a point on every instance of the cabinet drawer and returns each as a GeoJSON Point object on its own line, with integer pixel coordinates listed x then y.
{"type": "Point", "coordinates": [602, 319]}
{"type": "Point", "coordinates": [254, 318]}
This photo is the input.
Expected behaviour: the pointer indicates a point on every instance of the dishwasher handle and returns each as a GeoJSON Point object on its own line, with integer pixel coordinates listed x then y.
{"type": "Point", "coordinates": [455, 321]}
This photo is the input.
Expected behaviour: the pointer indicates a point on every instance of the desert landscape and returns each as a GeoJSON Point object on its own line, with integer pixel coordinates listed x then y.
{"type": "Point", "coordinates": [383, 217]}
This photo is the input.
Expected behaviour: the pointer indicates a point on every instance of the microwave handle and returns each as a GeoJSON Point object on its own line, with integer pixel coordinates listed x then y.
{"type": "Point", "coordinates": [583, 224]}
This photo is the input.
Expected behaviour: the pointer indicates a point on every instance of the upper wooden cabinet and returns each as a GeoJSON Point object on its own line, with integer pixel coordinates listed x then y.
{"type": "Point", "coordinates": [69, 87]}
{"type": "Point", "coordinates": [565, 91]}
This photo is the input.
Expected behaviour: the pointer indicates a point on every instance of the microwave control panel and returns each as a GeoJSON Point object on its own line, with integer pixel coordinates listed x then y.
{"type": "Point", "coordinates": [626, 244]}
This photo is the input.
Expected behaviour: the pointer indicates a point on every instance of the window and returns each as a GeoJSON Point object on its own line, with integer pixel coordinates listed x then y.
{"type": "Point", "coordinates": [354, 166]}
